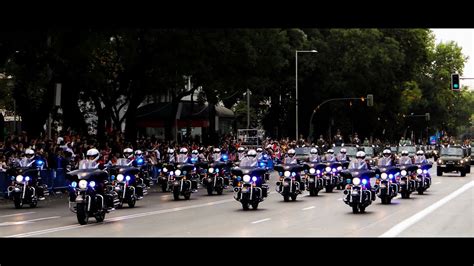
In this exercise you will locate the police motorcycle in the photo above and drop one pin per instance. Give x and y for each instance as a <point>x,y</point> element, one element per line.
<point>181,181</point>
<point>218,175</point>
<point>423,177</point>
<point>127,183</point>
<point>357,194</point>
<point>291,181</point>
<point>387,183</point>
<point>331,176</point>
<point>144,169</point>
<point>90,193</point>
<point>165,178</point>
<point>250,188</point>
<point>24,178</point>
<point>314,180</point>
<point>407,179</point>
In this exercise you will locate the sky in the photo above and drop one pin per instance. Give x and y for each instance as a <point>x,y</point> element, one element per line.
<point>465,39</point>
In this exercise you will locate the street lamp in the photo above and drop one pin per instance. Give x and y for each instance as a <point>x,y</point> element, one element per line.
<point>296,56</point>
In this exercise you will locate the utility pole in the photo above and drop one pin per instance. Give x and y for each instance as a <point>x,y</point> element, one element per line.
<point>248,108</point>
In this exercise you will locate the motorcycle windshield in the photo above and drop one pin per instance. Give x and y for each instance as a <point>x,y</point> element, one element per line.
<point>85,164</point>
<point>123,162</point>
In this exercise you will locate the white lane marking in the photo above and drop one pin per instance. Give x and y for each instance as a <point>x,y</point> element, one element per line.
<point>339,199</point>
<point>165,196</point>
<point>437,183</point>
<point>120,218</point>
<point>397,229</point>
<point>28,221</point>
<point>260,221</point>
<point>308,208</point>
<point>16,214</point>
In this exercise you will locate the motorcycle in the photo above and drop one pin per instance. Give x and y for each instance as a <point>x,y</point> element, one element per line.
<point>356,193</point>
<point>164,179</point>
<point>88,186</point>
<point>250,188</point>
<point>180,183</point>
<point>423,178</point>
<point>387,185</point>
<point>136,182</point>
<point>407,179</point>
<point>216,179</point>
<point>25,183</point>
<point>314,180</point>
<point>291,183</point>
<point>331,176</point>
<point>124,187</point>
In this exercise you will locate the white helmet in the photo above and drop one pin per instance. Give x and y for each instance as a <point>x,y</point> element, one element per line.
<point>404,153</point>
<point>127,153</point>
<point>241,149</point>
<point>29,153</point>
<point>170,151</point>
<point>252,153</point>
<point>420,152</point>
<point>195,152</point>
<point>269,146</point>
<point>291,152</point>
<point>331,151</point>
<point>387,152</point>
<point>343,150</point>
<point>314,151</point>
<point>183,151</point>
<point>92,155</point>
<point>259,150</point>
<point>138,153</point>
<point>360,154</point>
<point>217,150</point>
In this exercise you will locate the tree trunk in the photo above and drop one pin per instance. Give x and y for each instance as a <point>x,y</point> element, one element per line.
<point>213,138</point>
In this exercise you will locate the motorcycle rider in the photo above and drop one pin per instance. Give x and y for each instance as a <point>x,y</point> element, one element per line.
<point>314,156</point>
<point>29,160</point>
<point>342,155</point>
<point>386,159</point>
<point>183,156</point>
<point>420,157</point>
<point>405,159</point>
<point>171,157</point>
<point>241,153</point>
<point>216,156</point>
<point>329,156</point>
<point>359,162</point>
<point>290,158</point>
<point>128,153</point>
<point>250,160</point>
<point>259,154</point>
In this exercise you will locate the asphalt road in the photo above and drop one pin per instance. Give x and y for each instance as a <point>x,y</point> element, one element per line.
<point>445,210</point>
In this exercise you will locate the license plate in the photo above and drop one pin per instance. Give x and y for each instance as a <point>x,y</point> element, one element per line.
<point>402,182</point>
<point>245,189</point>
<point>383,186</point>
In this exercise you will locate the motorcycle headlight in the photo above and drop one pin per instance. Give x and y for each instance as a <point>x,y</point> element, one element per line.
<point>165,170</point>
<point>246,178</point>
<point>390,176</point>
<point>384,176</point>
<point>19,178</point>
<point>73,184</point>
<point>339,168</point>
<point>27,178</point>
<point>404,172</point>
<point>334,170</point>
<point>312,171</point>
<point>127,178</point>
<point>254,179</point>
<point>425,171</point>
<point>177,172</point>
<point>328,169</point>
<point>82,184</point>
<point>440,161</point>
<point>356,181</point>
<point>364,181</point>
<point>92,184</point>
<point>211,170</point>
<point>419,171</point>
<point>287,173</point>
<point>120,177</point>
<point>318,172</point>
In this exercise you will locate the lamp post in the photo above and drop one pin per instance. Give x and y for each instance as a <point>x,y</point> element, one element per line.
<point>296,66</point>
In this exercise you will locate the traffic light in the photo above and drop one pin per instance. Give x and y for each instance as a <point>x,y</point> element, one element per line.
<point>455,82</point>
<point>370,100</point>
<point>427,116</point>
